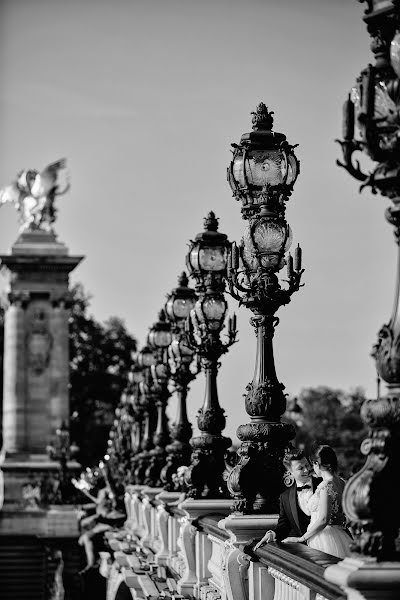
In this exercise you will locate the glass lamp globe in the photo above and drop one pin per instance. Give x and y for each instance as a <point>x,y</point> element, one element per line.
<point>208,253</point>
<point>181,301</point>
<point>211,311</point>
<point>262,162</point>
<point>209,258</point>
<point>146,357</point>
<point>265,243</point>
<point>260,168</point>
<point>160,335</point>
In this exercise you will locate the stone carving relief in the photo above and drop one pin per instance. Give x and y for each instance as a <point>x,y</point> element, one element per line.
<point>39,342</point>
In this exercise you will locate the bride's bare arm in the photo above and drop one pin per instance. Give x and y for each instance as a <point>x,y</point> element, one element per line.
<point>324,515</point>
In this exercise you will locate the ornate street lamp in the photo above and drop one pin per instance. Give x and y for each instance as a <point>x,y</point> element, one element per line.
<point>206,262</point>
<point>178,307</point>
<point>122,441</point>
<point>136,378</point>
<point>146,359</point>
<point>262,173</point>
<point>160,337</point>
<point>372,125</point>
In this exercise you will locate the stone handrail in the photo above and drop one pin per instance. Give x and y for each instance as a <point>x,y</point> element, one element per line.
<point>209,525</point>
<point>299,567</point>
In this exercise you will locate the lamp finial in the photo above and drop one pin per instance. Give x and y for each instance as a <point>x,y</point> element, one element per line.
<point>262,117</point>
<point>211,222</point>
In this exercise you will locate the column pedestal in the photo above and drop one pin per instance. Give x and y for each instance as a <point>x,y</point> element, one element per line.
<point>36,375</point>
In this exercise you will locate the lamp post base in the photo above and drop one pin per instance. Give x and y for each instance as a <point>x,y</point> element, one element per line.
<point>204,477</point>
<point>257,480</point>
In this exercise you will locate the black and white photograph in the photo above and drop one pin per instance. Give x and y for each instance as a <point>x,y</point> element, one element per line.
<point>199,299</point>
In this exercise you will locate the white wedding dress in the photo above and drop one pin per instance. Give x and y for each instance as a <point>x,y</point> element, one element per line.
<point>333,539</point>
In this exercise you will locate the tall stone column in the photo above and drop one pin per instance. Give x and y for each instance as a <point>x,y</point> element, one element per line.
<point>59,374</point>
<point>14,369</point>
<point>36,356</point>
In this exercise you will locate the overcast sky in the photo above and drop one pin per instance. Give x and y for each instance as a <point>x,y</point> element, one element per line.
<point>143,98</point>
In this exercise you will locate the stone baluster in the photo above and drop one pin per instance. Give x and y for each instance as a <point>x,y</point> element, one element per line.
<point>173,535</point>
<point>186,543</point>
<point>190,541</point>
<point>203,547</point>
<point>162,525</point>
<point>261,582</point>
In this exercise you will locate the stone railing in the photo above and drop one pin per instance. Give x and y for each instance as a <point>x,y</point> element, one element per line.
<point>292,572</point>
<point>179,548</point>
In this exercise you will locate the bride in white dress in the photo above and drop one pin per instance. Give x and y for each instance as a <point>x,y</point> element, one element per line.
<point>326,531</point>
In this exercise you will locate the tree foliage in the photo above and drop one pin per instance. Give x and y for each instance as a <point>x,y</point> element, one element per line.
<point>332,416</point>
<point>100,358</point>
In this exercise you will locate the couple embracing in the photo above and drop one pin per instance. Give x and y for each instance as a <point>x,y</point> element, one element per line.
<point>311,508</point>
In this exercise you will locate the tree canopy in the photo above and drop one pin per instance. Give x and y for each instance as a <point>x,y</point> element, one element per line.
<point>100,358</point>
<point>332,416</point>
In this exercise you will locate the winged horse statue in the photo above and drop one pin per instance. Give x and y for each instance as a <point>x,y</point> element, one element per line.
<point>33,195</point>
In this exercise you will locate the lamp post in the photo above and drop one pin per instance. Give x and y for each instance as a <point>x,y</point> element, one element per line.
<point>262,174</point>
<point>121,432</point>
<point>136,379</point>
<point>160,337</point>
<point>180,303</point>
<point>206,262</point>
<point>139,463</point>
<point>371,124</point>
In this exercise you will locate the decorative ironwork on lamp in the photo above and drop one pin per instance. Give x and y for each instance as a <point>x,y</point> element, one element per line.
<point>206,262</point>
<point>371,124</point>
<point>262,174</point>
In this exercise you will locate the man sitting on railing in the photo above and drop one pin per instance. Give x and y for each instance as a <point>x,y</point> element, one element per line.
<point>294,515</point>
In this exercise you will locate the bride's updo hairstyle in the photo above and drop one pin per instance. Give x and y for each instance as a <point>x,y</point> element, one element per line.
<point>326,457</point>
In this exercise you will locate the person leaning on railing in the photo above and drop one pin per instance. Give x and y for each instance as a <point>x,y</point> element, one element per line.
<point>294,516</point>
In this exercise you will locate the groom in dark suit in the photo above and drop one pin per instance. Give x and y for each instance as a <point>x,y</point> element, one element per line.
<point>293,518</point>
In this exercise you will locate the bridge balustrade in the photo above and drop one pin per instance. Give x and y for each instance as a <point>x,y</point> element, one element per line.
<point>172,547</point>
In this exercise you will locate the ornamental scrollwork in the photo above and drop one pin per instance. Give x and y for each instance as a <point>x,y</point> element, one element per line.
<point>265,399</point>
<point>387,354</point>
<point>211,420</point>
